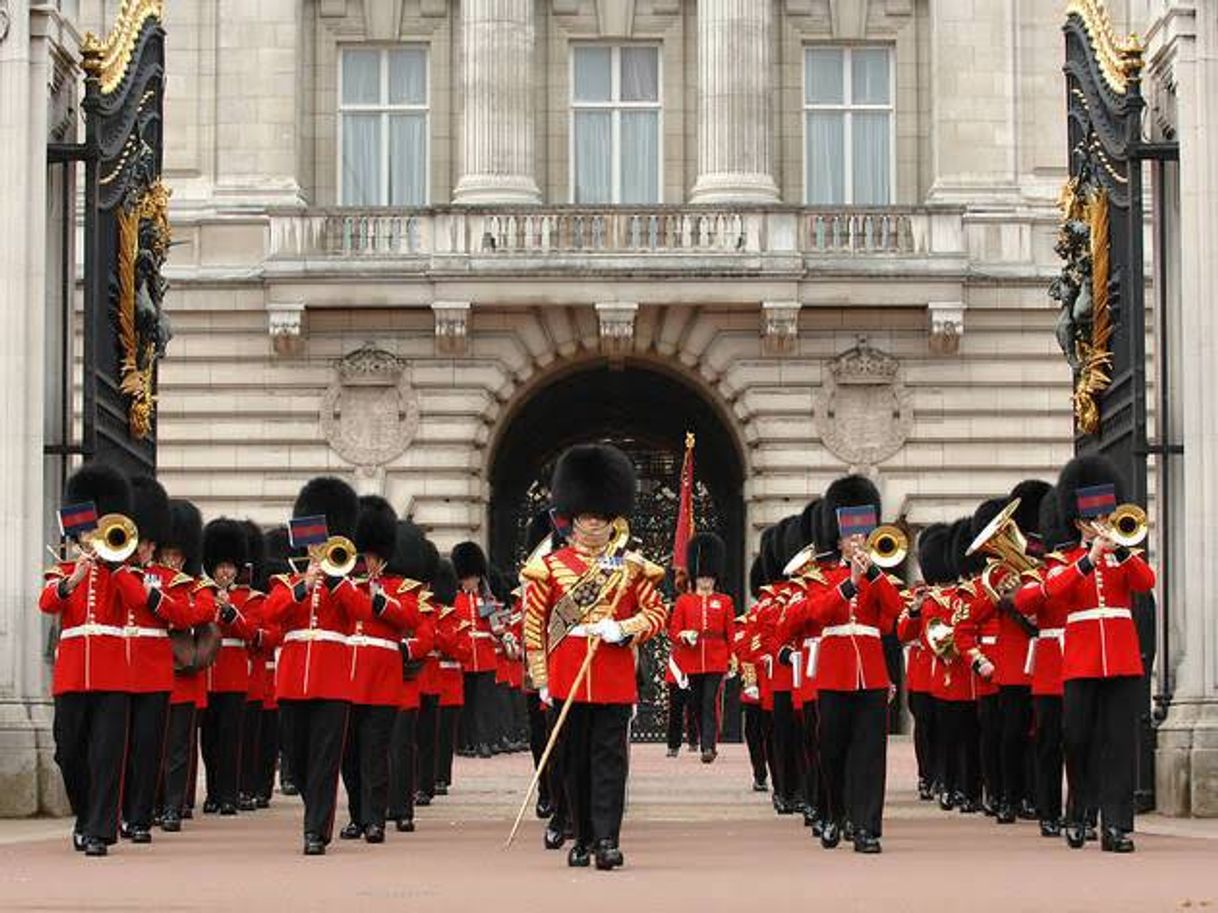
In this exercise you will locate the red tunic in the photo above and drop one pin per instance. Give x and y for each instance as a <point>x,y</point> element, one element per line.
<point>1044,659</point>
<point>712,618</point>
<point>231,670</point>
<point>92,653</point>
<point>1101,640</point>
<point>376,657</point>
<point>775,620</point>
<point>452,648</point>
<point>919,661</point>
<point>853,620</point>
<point>315,660</point>
<point>149,651</point>
<point>478,633</point>
<point>419,636</point>
<point>955,680</point>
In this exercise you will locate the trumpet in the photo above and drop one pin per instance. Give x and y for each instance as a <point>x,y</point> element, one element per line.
<point>1127,526</point>
<point>115,539</point>
<point>887,546</point>
<point>336,556</point>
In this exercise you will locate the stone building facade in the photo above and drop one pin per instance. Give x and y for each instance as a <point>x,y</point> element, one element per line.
<point>823,227</point>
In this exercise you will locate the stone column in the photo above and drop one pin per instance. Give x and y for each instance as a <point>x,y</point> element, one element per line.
<point>1187,759</point>
<point>497,87</point>
<point>735,51</point>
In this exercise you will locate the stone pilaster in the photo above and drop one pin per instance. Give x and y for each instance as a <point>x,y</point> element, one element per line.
<point>497,87</point>
<point>735,51</point>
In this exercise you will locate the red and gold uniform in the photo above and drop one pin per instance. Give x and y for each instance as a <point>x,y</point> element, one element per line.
<point>416,643</point>
<point>750,696</point>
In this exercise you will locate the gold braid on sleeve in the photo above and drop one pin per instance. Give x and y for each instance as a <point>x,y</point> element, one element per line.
<point>649,620</point>
<point>536,602</point>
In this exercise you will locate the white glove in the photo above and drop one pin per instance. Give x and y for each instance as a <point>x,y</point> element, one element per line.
<point>543,696</point>
<point>609,631</point>
<point>690,637</point>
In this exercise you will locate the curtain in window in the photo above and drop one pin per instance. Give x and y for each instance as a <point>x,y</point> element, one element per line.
<point>407,159</point>
<point>361,77</point>
<point>640,74</point>
<point>640,157</point>
<point>593,76</point>
<point>826,175</point>
<point>823,83</point>
<point>871,159</point>
<point>408,77</point>
<point>593,148</point>
<point>361,159</point>
<point>869,76</point>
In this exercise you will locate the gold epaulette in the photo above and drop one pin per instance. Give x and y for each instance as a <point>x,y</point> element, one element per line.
<point>813,573</point>
<point>536,570</point>
<point>205,583</point>
<point>181,579</point>
<point>895,580</point>
<point>58,570</point>
<point>285,579</point>
<point>464,624</point>
<point>409,586</point>
<point>652,571</point>
<point>967,586</point>
<point>446,610</point>
<point>424,602</point>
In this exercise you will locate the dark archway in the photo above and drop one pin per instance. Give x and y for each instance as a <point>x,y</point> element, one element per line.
<point>645,411</point>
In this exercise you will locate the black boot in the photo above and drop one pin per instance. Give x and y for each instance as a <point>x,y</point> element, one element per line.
<point>708,756</point>
<point>554,837</point>
<point>262,801</point>
<point>95,846</point>
<point>141,835</point>
<point>288,788</point>
<point>374,833</point>
<point>78,841</point>
<point>1076,836</point>
<point>246,803</point>
<point>759,786</point>
<point>1006,815</point>
<point>543,809</point>
<point>865,842</point>
<point>210,806</point>
<point>484,750</point>
<point>227,809</point>
<point>831,835</point>
<point>673,752</point>
<point>579,856</point>
<point>314,845</point>
<point>608,856</point>
<point>1115,840</point>
<point>1050,829</point>
<point>405,825</point>
<point>925,793</point>
<point>351,832</point>
<point>421,798</point>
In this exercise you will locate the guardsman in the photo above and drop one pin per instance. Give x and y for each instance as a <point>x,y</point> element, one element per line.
<point>750,691</point>
<point>1101,658</point>
<point>705,623</point>
<point>856,605</point>
<point>413,563</point>
<point>269,637</point>
<point>475,605</point>
<point>589,603</point>
<point>454,646</point>
<point>317,610</point>
<point>193,648</point>
<point>226,589</point>
<point>251,714</point>
<point>677,685</point>
<point>150,655</point>
<point>92,598</point>
<point>1044,662</point>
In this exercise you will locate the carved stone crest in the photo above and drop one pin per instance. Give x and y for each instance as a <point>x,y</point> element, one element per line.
<point>370,413</point>
<point>863,412</point>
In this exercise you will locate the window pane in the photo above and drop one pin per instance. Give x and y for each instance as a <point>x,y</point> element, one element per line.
<point>823,76</point>
<point>825,176</point>
<point>593,81</point>
<point>361,77</point>
<point>361,160</point>
<point>640,74</point>
<point>408,76</point>
<point>407,159</point>
<point>640,157</point>
<point>872,159</point>
<point>593,147</point>
<point>869,76</point>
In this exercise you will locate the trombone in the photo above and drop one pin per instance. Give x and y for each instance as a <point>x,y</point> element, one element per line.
<point>1127,526</point>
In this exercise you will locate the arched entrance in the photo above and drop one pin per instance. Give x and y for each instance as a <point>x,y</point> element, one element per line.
<point>646,411</point>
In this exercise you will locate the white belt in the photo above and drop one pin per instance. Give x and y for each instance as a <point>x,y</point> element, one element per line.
<point>1046,633</point>
<point>813,646</point>
<point>481,634</point>
<point>307,634</point>
<point>91,629</point>
<point>232,642</point>
<point>270,664</point>
<point>989,640</point>
<point>449,664</point>
<point>366,640</point>
<point>1029,663</point>
<point>853,629</point>
<point>1097,614</point>
<point>580,631</point>
<point>135,631</point>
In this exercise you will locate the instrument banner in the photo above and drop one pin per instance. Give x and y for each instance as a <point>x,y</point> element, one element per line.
<point>306,531</point>
<point>77,519</point>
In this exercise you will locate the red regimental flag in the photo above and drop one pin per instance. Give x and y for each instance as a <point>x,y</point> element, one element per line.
<point>685,508</point>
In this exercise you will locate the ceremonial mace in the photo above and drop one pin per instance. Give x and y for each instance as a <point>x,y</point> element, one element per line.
<point>631,568</point>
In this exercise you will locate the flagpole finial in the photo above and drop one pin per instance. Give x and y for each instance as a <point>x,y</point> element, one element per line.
<point>689,440</point>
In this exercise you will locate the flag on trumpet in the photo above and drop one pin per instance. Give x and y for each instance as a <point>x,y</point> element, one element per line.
<point>77,519</point>
<point>856,521</point>
<point>1096,501</point>
<point>306,531</point>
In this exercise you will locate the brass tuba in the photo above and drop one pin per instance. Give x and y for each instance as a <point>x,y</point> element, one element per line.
<point>115,539</point>
<point>1002,540</point>
<point>887,546</point>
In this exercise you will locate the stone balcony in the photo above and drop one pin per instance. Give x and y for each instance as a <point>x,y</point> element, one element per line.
<point>784,241</point>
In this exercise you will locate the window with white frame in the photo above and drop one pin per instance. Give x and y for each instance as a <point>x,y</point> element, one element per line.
<point>382,126</point>
<point>848,126</point>
<point>615,124</point>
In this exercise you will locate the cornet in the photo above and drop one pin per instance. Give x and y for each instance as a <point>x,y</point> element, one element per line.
<point>115,539</point>
<point>887,546</point>
<point>1127,526</point>
<point>336,556</point>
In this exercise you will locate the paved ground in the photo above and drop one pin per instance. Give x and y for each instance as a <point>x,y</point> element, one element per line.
<point>695,839</point>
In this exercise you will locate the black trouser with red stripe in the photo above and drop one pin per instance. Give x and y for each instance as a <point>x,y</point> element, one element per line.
<point>755,738</point>
<point>427,737</point>
<point>366,762</point>
<point>704,688</point>
<point>786,743</point>
<point>989,721</point>
<point>1015,709</point>
<point>402,765</point>
<point>596,756</point>
<point>220,733</point>
<point>538,735</point>
<point>313,732</point>
<point>1048,740</point>
<point>1100,736</point>
<point>854,739</point>
<point>448,720</point>
<point>90,731</point>
<point>179,746</point>
<point>959,764</point>
<point>814,786</point>
<point>922,708</point>
<point>268,753</point>
<point>145,750</point>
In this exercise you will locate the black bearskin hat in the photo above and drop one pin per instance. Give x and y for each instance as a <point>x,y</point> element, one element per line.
<point>332,498</point>
<point>934,547</point>
<point>1027,514</point>
<point>150,509</point>
<point>468,560</point>
<point>594,479</point>
<point>1083,472</point>
<point>705,556</point>
<point>809,520</point>
<point>431,561</point>
<point>376,529</point>
<point>540,526</point>
<point>501,585</point>
<point>278,548</point>
<point>104,485</point>
<point>255,553</point>
<point>411,557</point>
<point>1053,532</point>
<point>959,537</point>
<point>185,534</point>
<point>848,491</point>
<point>224,540</point>
<point>444,586</point>
<point>756,577</point>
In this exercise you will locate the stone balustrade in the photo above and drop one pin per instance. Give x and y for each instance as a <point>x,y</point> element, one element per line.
<point>530,232</point>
